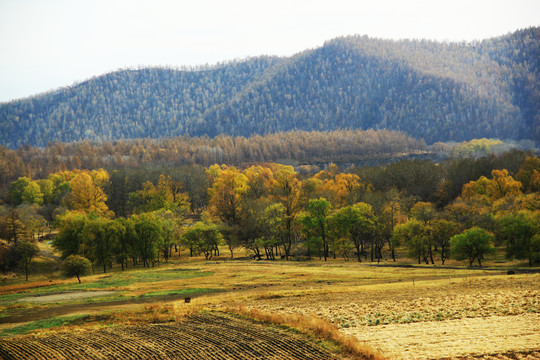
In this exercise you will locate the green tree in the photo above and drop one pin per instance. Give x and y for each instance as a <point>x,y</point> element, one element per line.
<point>16,190</point>
<point>278,229</point>
<point>315,222</point>
<point>70,229</point>
<point>24,252</point>
<point>441,232</point>
<point>472,244</point>
<point>166,195</point>
<point>46,187</point>
<point>357,223</point>
<point>98,238</point>
<point>32,194</point>
<point>148,237</point>
<point>519,231</point>
<point>169,229</point>
<point>123,247</point>
<point>414,234</point>
<point>76,265</point>
<point>203,237</point>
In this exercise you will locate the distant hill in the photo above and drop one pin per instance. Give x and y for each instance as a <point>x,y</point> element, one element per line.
<point>430,90</point>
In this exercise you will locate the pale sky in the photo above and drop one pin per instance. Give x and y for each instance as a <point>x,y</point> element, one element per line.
<point>47,44</point>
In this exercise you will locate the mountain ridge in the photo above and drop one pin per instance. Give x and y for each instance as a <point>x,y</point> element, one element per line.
<point>429,90</point>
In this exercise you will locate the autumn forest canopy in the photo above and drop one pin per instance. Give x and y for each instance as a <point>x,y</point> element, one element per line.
<point>432,91</point>
<point>462,208</point>
<point>362,149</point>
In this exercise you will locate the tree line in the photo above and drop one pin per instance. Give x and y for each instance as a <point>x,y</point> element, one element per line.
<point>295,147</point>
<point>432,91</point>
<point>273,211</point>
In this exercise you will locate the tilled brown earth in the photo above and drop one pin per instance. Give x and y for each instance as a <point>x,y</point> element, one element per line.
<point>202,336</point>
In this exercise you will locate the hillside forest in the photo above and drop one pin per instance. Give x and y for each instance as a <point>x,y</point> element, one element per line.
<point>432,91</point>
<point>461,208</point>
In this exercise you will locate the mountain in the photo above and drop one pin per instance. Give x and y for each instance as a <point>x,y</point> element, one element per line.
<point>430,90</point>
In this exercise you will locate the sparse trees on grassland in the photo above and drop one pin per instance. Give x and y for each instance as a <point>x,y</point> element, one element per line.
<point>414,234</point>
<point>203,238</point>
<point>356,223</point>
<point>473,244</point>
<point>24,252</point>
<point>76,265</point>
<point>315,223</point>
<point>520,232</point>
<point>442,231</point>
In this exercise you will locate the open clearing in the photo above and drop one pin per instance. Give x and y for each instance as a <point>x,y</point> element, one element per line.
<point>66,296</point>
<point>406,312</point>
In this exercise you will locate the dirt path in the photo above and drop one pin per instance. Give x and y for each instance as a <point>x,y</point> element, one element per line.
<point>71,309</point>
<point>43,299</point>
<point>452,338</point>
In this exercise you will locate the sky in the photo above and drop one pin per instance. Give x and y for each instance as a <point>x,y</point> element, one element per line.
<point>47,44</point>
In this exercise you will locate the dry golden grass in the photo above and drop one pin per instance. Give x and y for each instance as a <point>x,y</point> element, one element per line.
<point>481,315</point>
<point>322,329</point>
<point>429,301</point>
<point>156,313</point>
<point>21,287</point>
<point>468,336</point>
<point>329,300</point>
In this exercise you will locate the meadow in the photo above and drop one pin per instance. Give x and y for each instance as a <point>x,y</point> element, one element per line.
<point>279,309</point>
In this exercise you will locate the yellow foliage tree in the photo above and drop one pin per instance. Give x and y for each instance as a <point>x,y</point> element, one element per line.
<point>86,196</point>
<point>226,195</point>
<point>489,190</point>
<point>502,185</point>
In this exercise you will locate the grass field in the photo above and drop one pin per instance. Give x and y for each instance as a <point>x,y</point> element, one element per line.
<point>344,309</point>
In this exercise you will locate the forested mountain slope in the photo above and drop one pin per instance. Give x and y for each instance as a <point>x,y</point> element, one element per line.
<point>430,90</point>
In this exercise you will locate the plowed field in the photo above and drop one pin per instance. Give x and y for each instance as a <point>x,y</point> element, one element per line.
<point>488,318</point>
<point>203,336</point>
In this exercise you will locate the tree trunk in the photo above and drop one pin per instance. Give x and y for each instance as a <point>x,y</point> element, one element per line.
<point>358,253</point>
<point>325,245</point>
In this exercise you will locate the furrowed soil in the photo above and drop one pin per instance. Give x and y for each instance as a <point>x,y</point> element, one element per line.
<point>202,336</point>
<point>405,312</point>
